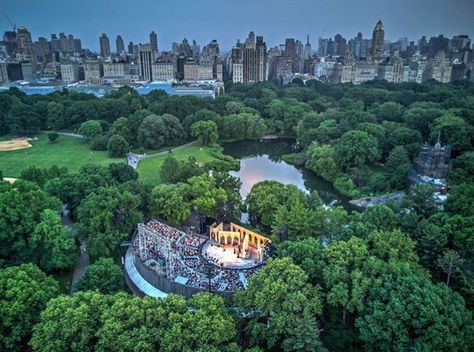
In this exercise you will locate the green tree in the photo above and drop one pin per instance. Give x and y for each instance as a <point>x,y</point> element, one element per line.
<point>121,172</point>
<point>170,170</point>
<point>106,218</point>
<point>307,253</point>
<point>174,131</point>
<point>55,118</point>
<point>286,321</point>
<point>266,196</point>
<point>461,200</point>
<point>168,201</point>
<point>204,193</point>
<point>70,323</point>
<point>91,129</point>
<point>450,263</point>
<point>117,146</point>
<point>103,275</point>
<point>398,165</point>
<point>409,312</point>
<point>21,207</point>
<point>356,148</point>
<point>205,132</point>
<point>24,292</point>
<point>321,160</point>
<point>380,217</point>
<point>343,277</point>
<point>152,132</point>
<point>53,244</point>
<point>121,127</point>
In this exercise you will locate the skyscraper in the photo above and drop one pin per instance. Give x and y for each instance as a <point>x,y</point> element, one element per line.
<point>307,49</point>
<point>119,44</point>
<point>25,44</point>
<point>104,45</point>
<point>378,41</point>
<point>146,57</point>
<point>154,41</point>
<point>261,59</point>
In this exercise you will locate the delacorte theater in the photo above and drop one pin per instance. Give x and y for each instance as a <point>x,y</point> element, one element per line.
<point>165,259</point>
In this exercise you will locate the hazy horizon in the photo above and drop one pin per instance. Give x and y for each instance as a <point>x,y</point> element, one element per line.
<point>228,21</point>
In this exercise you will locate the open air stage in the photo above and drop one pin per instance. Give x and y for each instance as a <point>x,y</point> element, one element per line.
<point>225,256</point>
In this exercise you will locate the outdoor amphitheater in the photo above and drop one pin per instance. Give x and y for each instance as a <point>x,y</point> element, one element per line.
<point>185,262</point>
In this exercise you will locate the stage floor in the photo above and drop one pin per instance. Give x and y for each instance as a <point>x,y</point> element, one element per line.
<point>225,256</point>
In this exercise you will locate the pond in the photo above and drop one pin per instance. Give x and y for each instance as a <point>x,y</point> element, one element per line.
<point>261,160</point>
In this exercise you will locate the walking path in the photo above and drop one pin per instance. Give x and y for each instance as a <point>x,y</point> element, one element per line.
<point>81,266</point>
<point>133,158</point>
<point>83,261</point>
<point>69,134</point>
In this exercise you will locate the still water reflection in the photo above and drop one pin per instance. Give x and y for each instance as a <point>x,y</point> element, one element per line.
<point>261,160</point>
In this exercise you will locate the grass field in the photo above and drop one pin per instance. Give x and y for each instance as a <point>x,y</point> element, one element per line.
<point>149,169</point>
<point>70,152</point>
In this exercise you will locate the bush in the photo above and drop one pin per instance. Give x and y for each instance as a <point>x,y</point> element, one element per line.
<point>346,187</point>
<point>53,136</point>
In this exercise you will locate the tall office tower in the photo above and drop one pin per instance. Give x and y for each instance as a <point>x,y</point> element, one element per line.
<point>77,45</point>
<point>261,59</point>
<point>70,42</point>
<point>130,48</point>
<point>62,42</point>
<point>290,47</point>
<point>175,47</point>
<point>196,49</point>
<point>146,57</point>
<point>378,41</point>
<point>357,48</point>
<point>249,64</point>
<point>307,49</point>
<point>154,41</point>
<point>55,44</point>
<point>323,47</point>
<point>42,49</point>
<point>25,44</point>
<point>119,44</point>
<point>250,41</point>
<point>104,46</point>
<point>299,48</point>
<point>9,40</point>
<point>340,45</point>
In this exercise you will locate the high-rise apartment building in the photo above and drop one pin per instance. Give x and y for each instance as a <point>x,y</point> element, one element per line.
<point>119,45</point>
<point>104,46</point>
<point>146,57</point>
<point>25,44</point>
<point>378,41</point>
<point>154,41</point>
<point>261,59</point>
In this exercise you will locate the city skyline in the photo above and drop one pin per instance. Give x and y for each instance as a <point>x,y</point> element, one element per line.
<point>399,21</point>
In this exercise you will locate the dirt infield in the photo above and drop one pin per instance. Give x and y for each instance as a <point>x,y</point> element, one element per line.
<point>15,144</point>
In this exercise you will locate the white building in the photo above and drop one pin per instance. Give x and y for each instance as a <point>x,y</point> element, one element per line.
<point>3,73</point>
<point>116,69</point>
<point>163,71</point>
<point>237,73</point>
<point>69,73</point>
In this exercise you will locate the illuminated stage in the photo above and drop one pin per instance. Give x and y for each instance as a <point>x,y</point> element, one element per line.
<point>226,256</point>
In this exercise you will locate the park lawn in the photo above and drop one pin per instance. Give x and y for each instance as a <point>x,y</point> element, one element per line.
<point>149,169</point>
<point>71,152</point>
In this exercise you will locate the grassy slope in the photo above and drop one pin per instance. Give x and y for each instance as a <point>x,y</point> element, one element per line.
<point>149,169</point>
<point>67,151</point>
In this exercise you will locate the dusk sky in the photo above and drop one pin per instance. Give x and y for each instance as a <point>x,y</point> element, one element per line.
<point>228,20</point>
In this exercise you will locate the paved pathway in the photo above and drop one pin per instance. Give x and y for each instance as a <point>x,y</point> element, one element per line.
<point>83,261</point>
<point>70,134</point>
<point>133,158</point>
